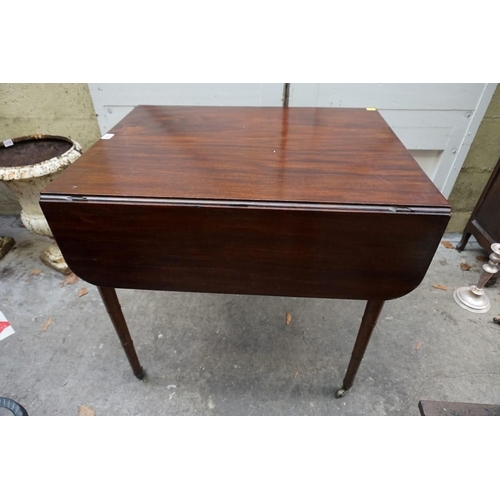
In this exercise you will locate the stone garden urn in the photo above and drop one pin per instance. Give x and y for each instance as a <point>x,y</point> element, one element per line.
<point>27,165</point>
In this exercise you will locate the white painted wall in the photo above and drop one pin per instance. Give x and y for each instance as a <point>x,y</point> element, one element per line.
<point>436,122</point>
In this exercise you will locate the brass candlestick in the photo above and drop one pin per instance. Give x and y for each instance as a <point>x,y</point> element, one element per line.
<point>473,298</point>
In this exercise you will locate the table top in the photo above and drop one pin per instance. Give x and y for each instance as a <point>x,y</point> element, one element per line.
<point>300,202</point>
<point>280,155</point>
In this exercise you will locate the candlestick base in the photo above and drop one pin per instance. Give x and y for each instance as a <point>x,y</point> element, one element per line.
<point>472,299</point>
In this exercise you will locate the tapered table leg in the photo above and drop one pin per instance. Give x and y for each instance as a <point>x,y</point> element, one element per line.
<point>114,309</point>
<point>370,317</point>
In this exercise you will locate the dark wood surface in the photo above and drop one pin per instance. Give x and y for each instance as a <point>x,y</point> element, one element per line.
<point>311,155</point>
<point>296,202</point>
<point>451,409</point>
<point>484,222</point>
<point>174,202</point>
<point>246,250</point>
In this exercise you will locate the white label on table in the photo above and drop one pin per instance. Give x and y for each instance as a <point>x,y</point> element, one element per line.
<point>5,327</point>
<point>8,143</point>
<point>107,136</point>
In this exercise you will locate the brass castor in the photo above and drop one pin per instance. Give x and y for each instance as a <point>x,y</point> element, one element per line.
<point>341,393</point>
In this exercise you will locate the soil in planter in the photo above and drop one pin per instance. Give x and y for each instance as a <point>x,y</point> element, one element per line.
<point>32,151</point>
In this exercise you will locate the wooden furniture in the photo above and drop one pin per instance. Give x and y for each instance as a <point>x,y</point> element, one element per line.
<point>484,222</point>
<point>449,409</point>
<point>302,202</point>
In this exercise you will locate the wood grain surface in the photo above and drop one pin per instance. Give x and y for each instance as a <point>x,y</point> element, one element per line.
<point>246,250</point>
<point>312,155</point>
<point>307,202</point>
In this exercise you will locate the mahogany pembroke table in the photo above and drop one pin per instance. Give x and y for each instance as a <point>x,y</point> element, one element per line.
<point>302,202</point>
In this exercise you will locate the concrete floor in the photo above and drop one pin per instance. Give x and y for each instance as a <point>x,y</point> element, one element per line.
<point>234,355</point>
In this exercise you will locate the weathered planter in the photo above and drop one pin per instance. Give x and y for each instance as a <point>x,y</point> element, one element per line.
<point>26,167</point>
<point>6,244</point>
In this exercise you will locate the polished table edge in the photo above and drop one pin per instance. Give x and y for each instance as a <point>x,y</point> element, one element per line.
<point>126,200</point>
